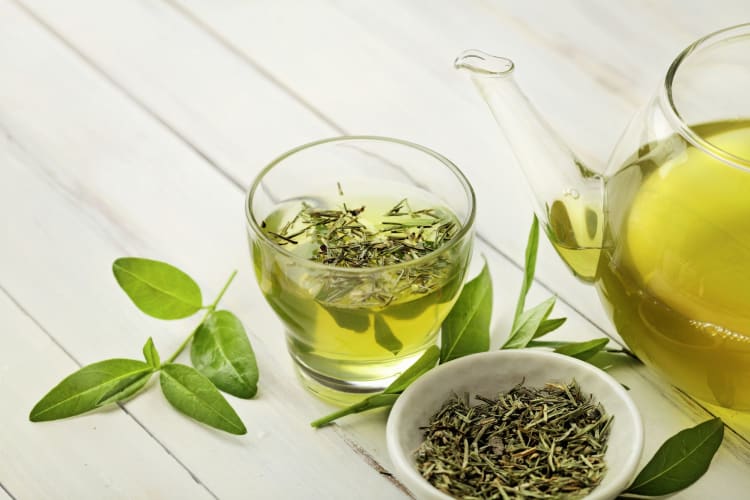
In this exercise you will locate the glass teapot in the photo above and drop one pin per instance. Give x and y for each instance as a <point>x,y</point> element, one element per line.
<point>664,232</point>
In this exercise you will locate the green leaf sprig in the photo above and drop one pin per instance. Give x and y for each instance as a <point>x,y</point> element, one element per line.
<point>466,329</point>
<point>221,355</point>
<point>680,461</point>
<point>532,323</point>
<point>529,325</point>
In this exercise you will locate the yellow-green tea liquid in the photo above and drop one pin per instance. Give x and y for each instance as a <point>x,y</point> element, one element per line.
<point>673,267</point>
<point>345,343</point>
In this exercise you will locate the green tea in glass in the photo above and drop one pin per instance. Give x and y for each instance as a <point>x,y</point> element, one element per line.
<point>360,245</point>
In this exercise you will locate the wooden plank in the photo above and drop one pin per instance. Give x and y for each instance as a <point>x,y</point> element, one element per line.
<point>195,81</point>
<point>140,87</point>
<point>4,494</point>
<point>45,460</point>
<point>90,177</point>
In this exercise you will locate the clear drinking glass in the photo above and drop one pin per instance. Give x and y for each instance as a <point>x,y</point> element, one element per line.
<point>351,330</point>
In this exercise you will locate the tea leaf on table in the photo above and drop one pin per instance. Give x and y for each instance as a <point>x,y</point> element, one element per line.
<point>121,394</point>
<point>90,387</point>
<point>680,461</point>
<point>157,288</point>
<point>549,325</point>
<point>150,354</point>
<point>385,337</point>
<point>222,352</point>
<point>532,323</point>
<point>425,363</point>
<point>532,244</point>
<point>528,324</point>
<point>389,396</point>
<point>466,329</point>
<point>583,350</point>
<point>194,395</point>
<point>377,401</point>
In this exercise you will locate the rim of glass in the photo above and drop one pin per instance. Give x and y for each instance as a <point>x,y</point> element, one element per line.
<point>673,114</point>
<point>465,227</point>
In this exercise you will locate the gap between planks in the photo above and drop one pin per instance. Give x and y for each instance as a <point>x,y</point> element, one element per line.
<point>370,460</point>
<point>49,335</point>
<point>358,450</point>
<point>245,58</point>
<point>5,490</point>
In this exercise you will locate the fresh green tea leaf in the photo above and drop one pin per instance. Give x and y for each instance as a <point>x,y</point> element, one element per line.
<point>528,324</point>
<point>680,461</point>
<point>549,325</point>
<point>466,329</point>
<point>552,344</point>
<point>222,352</point>
<point>583,350</point>
<point>385,337</point>
<point>532,245</point>
<point>157,288</point>
<point>150,354</point>
<point>194,395</point>
<point>121,394</point>
<point>425,363</point>
<point>376,401</point>
<point>90,387</point>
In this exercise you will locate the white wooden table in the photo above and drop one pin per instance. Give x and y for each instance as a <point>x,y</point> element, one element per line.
<point>133,128</point>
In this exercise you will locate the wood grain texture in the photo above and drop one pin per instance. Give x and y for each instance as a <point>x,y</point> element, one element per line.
<point>39,460</point>
<point>77,219</point>
<point>4,494</point>
<point>141,144</point>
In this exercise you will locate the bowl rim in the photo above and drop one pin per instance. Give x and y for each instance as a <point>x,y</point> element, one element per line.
<point>402,460</point>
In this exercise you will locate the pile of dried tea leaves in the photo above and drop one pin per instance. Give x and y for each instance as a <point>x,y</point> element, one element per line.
<point>528,443</point>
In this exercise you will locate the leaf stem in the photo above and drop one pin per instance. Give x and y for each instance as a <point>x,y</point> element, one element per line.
<point>625,351</point>
<point>355,408</point>
<point>223,290</point>
<point>211,308</point>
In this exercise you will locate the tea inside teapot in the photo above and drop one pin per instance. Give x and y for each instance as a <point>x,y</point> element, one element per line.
<point>675,266</point>
<point>664,232</point>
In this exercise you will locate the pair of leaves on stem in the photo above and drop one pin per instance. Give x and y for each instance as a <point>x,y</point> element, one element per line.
<point>115,380</point>
<point>221,354</point>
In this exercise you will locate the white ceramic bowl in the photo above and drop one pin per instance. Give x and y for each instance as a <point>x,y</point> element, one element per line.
<point>498,371</point>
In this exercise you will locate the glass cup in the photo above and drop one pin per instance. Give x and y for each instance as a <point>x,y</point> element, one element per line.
<point>352,330</point>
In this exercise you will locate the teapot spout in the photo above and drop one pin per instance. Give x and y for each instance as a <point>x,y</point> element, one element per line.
<point>568,197</point>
